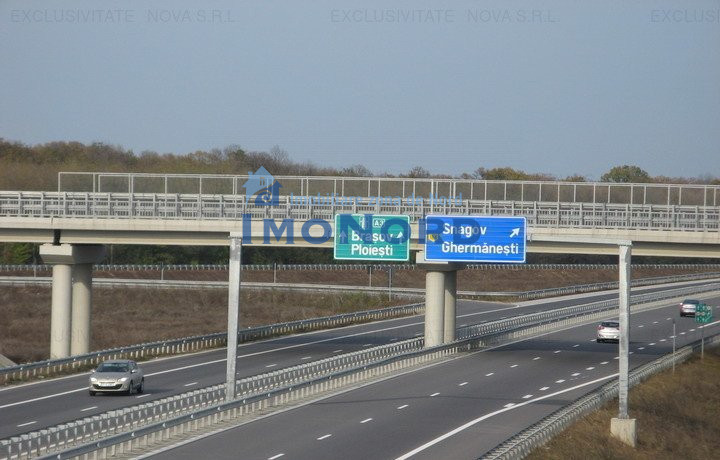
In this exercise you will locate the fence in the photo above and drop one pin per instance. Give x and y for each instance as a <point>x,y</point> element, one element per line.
<point>234,207</point>
<point>141,423</point>
<point>326,187</point>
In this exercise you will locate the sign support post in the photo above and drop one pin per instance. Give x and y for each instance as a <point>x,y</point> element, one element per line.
<point>233,315</point>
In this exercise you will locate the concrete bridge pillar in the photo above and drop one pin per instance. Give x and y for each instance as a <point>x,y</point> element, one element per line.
<point>434,307</point>
<point>71,296</point>
<point>440,300</point>
<point>450,306</point>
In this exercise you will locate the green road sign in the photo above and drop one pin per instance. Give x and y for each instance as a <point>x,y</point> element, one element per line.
<point>703,314</point>
<point>372,237</point>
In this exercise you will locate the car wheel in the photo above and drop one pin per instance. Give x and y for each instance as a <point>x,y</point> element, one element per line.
<point>141,387</point>
<point>92,393</point>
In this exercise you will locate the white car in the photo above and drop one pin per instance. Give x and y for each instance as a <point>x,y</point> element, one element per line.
<point>688,307</point>
<point>608,331</point>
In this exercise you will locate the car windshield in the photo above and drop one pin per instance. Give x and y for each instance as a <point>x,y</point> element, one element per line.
<point>113,367</point>
<point>691,301</point>
<point>610,324</point>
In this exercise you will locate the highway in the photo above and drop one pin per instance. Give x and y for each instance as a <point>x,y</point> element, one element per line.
<point>458,409</point>
<point>41,404</point>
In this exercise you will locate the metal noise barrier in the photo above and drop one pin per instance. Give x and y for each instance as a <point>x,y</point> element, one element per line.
<point>125,424</point>
<point>523,443</point>
<point>190,344</point>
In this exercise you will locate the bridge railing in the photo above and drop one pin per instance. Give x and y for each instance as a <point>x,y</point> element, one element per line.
<point>291,383</point>
<point>403,187</point>
<point>233,207</point>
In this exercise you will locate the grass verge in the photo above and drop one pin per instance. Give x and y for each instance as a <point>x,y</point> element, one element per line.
<point>677,417</point>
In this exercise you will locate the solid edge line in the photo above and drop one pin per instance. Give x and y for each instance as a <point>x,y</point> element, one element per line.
<point>497,412</point>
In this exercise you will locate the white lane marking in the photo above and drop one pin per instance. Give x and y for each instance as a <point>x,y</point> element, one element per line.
<point>144,395</point>
<point>589,368</point>
<point>641,325</point>
<point>617,357</point>
<point>592,340</point>
<point>402,407</point>
<point>692,330</point>
<point>630,352</point>
<point>418,334</point>
<point>275,456</point>
<point>536,358</point>
<point>26,424</point>
<point>655,322</point>
<point>576,345</point>
<point>559,381</point>
<point>651,343</point>
<point>663,340</point>
<point>190,384</point>
<point>605,362</point>
<point>508,407</point>
<point>366,420</point>
<point>641,348</point>
<point>668,319</point>
<point>544,388</point>
<point>434,394</point>
<point>338,351</point>
<point>88,408</point>
<point>514,365</point>
<point>393,339</point>
<point>43,397</point>
<point>305,357</point>
<point>462,384</point>
<point>491,373</point>
<point>271,365</point>
<point>682,333</point>
<point>575,374</point>
<point>527,396</point>
<point>463,325</point>
<point>557,351</point>
<point>325,436</point>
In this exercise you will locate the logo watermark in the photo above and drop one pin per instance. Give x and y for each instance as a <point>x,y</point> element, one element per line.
<point>441,16</point>
<point>686,16</point>
<point>263,186</point>
<point>123,16</point>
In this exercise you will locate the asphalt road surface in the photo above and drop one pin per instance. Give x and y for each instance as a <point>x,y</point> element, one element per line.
<point>455,410</point>
<point>33,406</point>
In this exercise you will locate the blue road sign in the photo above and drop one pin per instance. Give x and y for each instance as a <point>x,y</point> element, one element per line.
<point>475,239</point>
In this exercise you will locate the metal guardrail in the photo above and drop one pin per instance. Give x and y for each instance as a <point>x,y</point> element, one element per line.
<point>523,443</point>
<point>190,344</point>
<point>402,187</point>
<point>257,390</point>
<point>395,290</point>
<point>233,207</point>
<point>345,267</point>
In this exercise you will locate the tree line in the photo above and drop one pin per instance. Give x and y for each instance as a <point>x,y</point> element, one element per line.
<point>35,167</point>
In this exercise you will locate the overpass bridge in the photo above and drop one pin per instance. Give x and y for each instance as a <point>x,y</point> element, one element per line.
<point>90,210</point>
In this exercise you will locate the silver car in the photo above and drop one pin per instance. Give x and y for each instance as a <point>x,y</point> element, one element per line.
<point>608,331</point>
<point>117,376</point>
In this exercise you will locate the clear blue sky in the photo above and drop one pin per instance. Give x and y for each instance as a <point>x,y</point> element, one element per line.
<point>560,87</point>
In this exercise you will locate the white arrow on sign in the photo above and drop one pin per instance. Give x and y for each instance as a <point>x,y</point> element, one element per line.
<point>515,232</point>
